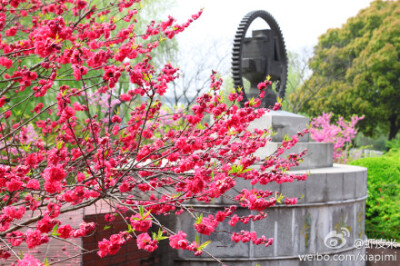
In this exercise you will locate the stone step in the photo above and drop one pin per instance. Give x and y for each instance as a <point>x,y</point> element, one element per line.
<point>283,123</point>
<point>319,154</point>
<point>323,186</point>
<point>327,185</point>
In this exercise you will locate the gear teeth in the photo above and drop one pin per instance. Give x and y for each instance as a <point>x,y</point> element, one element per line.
<point>237,49</point>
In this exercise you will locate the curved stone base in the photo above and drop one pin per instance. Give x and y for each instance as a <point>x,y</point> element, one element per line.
<point>333,203</point>
<point>331,206</point>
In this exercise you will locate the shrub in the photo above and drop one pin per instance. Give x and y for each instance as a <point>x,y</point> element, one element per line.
<point>383,203</point>
<point>394,144</point>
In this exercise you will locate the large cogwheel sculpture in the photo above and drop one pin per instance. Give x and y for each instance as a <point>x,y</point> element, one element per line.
<point>256,61</point>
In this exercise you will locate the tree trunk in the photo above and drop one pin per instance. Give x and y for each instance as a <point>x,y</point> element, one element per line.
<point>394,126</point>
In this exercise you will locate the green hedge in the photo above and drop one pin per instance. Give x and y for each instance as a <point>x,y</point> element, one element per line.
<point>383,203</point>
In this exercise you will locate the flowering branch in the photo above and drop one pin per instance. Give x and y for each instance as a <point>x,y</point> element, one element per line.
<point>69,140</point>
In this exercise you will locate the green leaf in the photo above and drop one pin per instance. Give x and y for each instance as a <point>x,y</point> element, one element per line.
<point>247,170</point>
<point>59,145</point>
<point>200,126</point>
<point>159,236</point>
<point>146,214</point>
<point>233,170</point>
<point>232,132</point>
<point>205,244</point>
<point>199,218</point>
<point>130,230</point>
<point>54,232</point>
<point>26,148</point>
<point>147,77</point>
<point>106,227</point>
<point>160,233</point>
<point>286,138</point>
<point>238,169</point>
<point>280,198</point>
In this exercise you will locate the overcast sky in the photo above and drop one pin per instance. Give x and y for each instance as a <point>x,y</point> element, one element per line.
<point>207,44</point>
<point>301,21</point>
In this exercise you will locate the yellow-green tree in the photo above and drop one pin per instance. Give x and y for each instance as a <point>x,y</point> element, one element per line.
<point>356,70</point>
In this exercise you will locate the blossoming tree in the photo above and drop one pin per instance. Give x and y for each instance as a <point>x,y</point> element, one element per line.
<point>62,60</point>
<point>340,135</point>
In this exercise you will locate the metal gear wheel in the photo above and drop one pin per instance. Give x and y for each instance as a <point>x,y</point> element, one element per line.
<point>280,82</point>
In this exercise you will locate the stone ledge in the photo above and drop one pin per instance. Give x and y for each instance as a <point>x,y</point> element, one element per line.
<point>283,123</point>
<point>332,184</point>
<point>319,154</point>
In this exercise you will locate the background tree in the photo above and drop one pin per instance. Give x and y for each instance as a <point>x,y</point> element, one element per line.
<point>356,70</point>
<point>298,72</point>
<point>194,74</point>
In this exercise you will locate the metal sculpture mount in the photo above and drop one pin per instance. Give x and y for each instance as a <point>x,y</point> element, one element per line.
<point>262,55</point>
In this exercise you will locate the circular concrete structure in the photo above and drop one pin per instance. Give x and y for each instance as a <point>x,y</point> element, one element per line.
<point>325,227</point>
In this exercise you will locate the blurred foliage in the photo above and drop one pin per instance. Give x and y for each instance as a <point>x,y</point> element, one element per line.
<point>383,203</point>
<point>149,10</point>
<point>393,144</point>
<point>378,142</point>
<point>298,72</point>
<point>356,70</point>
